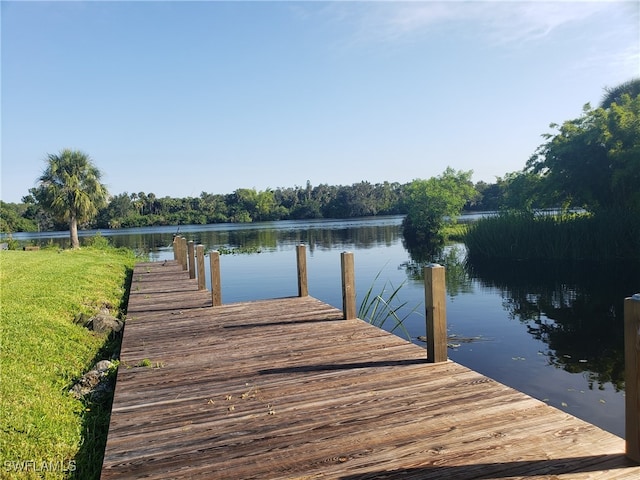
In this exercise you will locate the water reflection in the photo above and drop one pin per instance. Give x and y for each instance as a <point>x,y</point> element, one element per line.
<point>265,236</point>
<point>453,258</point>
<point>576,309</point>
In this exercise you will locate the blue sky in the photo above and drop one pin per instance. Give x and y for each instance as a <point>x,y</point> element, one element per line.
<point>177,98</point>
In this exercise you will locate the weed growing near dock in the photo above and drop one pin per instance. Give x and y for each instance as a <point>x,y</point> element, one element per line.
<point>378,309</point>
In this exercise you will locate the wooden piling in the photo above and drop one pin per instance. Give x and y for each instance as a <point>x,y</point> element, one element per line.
<point>216,291</point>
<point>202,279</point>
<point>192,259</point>
<point>348,286</point>
<point>435,302</point>
<point>183,253</point>
<point>632,376</point>
<point>176,249</point>
<point>301,256</point>
<point>180,251</point>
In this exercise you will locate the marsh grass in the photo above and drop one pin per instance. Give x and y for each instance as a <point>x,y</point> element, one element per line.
<point>455,232</point>
<point>527,236</point>
<point>385,306</point>
<point>43,353</point>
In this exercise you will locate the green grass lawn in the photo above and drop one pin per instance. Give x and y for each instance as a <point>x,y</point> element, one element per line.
<point>46,432</point>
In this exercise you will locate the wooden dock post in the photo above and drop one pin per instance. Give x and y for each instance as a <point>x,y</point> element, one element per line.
<point>183,253</point>
<point>192,259</point>
<point>301,256</point>
<point>202,279</point>
<point>348,286</point>
<point>177,243</point>
<point>632,376</point>
<point>435,303</point>
<point>216,291</point>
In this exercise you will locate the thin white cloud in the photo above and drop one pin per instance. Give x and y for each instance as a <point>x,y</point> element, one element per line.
<point>508,22</point>
<point>524,22</point>
<point>612,28</point>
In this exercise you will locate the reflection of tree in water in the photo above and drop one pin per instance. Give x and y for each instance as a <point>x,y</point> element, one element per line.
<point>262,238</point>
<point>576,309</point>
<point>451,256</point>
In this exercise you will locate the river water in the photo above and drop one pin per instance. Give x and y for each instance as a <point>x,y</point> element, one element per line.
<point>553,331</point>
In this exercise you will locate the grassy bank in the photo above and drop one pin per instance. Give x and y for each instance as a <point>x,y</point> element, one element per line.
<point>44,428</point>
<point>526,236</point>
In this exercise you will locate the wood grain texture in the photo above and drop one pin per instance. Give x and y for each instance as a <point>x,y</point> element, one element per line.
<point>286,388</point>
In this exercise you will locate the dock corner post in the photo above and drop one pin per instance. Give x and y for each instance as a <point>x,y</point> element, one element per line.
<point>348,286</point>
<point>216,290</point>
<point>175,247</point>
<point>632,376</point>
<point>435,303</point>
<point>183,253</point>
<point>301,256</point>
<point>202,279</point>
<point>192,259</point>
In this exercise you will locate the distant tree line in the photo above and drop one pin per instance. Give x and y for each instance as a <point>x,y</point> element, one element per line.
<point>141,209</point>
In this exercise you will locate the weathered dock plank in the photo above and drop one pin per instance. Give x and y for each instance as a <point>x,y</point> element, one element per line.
<point>285,388</point>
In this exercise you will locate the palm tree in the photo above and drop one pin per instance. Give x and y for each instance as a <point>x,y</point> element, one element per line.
<point>70,189</point>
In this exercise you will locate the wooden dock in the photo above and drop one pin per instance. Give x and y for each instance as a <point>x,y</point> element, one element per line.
<point>286,388</point>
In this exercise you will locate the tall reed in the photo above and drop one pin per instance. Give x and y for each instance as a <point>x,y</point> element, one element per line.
<point>528,236</point>
<point>378,309</point>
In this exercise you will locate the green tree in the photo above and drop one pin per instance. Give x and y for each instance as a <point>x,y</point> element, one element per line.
<point>490,196</point>
<point>265,208</point>
<point>521,191</point>
<point>119,208</point>
<point>594,161</point>
<point>12,218</point>
<point>434,202</point>
<point>70,189</point>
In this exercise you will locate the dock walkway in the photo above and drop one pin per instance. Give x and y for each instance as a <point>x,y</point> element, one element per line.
<point>286,388</point>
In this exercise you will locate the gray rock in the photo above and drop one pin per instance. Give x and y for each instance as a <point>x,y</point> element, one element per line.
<point>103,366</point>
<point>105,323</point>
<point>87,383</point>
<point>96,382</point>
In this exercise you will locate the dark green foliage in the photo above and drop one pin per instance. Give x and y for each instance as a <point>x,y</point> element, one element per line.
<point>614,95</point>
<point>13,219</point>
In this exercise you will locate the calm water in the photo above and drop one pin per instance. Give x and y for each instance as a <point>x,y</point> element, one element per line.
<point>552,331</point>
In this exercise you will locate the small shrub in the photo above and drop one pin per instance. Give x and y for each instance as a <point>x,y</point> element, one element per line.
<point>97,241</point>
